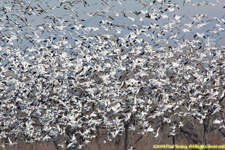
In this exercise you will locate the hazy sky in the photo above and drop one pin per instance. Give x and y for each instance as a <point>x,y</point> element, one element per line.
<point>80,12</point>
<point>187,9</point>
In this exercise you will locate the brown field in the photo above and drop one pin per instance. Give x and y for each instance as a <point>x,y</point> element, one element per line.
<point>144,142</point>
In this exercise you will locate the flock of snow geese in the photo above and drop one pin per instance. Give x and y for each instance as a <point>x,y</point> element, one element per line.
<point>68,73</point>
